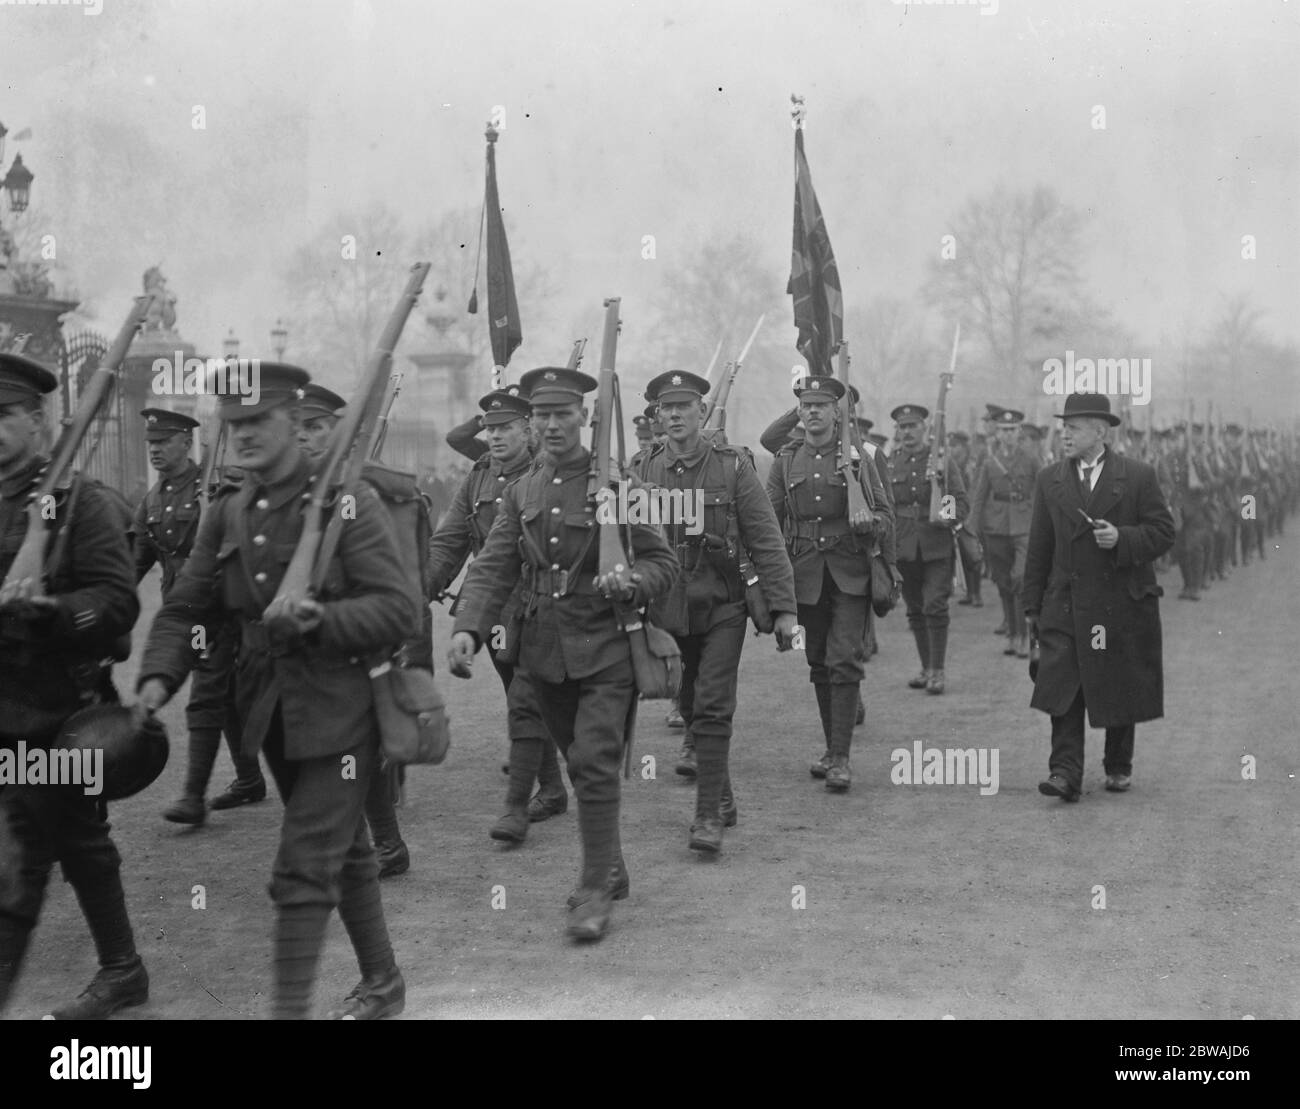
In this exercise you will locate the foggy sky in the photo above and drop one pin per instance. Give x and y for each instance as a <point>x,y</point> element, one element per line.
<point>667,119</point>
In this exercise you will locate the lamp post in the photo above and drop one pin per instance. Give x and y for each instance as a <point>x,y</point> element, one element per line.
<point>279,339</point>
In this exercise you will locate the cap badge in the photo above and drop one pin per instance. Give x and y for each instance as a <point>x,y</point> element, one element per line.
<point>814,385</point>
<point>676,379</point>
<point>151,419</point>
<point>496,404</point>
<point>548,376</point>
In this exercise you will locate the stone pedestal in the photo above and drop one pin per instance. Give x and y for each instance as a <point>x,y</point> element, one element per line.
<point>38,319</point>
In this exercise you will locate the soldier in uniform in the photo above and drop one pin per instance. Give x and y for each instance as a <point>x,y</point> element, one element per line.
<point>705,610</point>
<point>1000,513</point>
<point>533,758</point>
<point>925,550</point>
<point>959,451</point>
<point>54,641</point>
<point>319,412</point>
<point>1192,489</point>
<point>303,689</point>
<point>164,528</point>
<point>645,437</point>
<point>831,555</point>
<point>567,633</point>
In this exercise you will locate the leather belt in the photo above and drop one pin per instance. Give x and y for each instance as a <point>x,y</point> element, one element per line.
<point>558,583</point>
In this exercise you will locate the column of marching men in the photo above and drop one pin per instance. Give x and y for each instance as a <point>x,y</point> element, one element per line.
<point>523,521</point>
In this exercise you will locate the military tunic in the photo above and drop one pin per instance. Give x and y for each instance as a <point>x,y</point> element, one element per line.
<point>306,701</point>
<point>50,667</point>
<point>705,610</point>
<point>166,524</point>
<point>1001,508</point>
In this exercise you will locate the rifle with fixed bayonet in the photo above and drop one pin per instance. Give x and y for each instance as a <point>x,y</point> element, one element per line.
<point>342,468</point>
<point>26,573</point>
<point>715,414</point>
<point>858,503</point>
<point>937,470</point>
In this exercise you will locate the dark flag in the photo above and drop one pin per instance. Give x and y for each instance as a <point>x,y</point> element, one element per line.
<point>504,326</point>
<point>814,277</point>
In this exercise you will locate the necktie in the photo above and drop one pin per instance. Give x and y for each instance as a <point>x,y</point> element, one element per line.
<point>1085,480</point>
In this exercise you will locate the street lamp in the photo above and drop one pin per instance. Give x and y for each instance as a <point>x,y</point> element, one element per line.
<point>18,184</point>
<point>230,346</point>
<point>279,339</point>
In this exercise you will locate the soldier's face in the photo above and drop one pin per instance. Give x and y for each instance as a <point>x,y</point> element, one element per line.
<point>818,415</point>
<point>1081,436</point>
<point>261,442</point>
<point>169,455</point>
<point>911,434</point>
<point>681,419</point>
<point>958,452</point>
<point>19,432</point>
<point>644,437</point>
<point>560,427</point>
<point>507,441</point>
<point>314,436</point>
<point>1007,437</point>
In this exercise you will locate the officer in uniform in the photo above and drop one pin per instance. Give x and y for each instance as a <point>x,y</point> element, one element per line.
<point>705,611</point>
<point>54,640</point>
<point>463,532</point>
<point>959,451</point>
<point>320,411</point>
<point>831,556</point>
<point>302,684</point>
<point>925,550</point>
<point>165,524</point>
<point>1000,512</point>
<point>569,639</point>
<point>645,437</point>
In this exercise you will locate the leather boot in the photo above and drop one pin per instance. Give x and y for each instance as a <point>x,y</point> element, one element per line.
<point>374,998</point>
<point>823,691</point>
<point>938,649</point>
<point>14,938</point>
<point>844,707</point>
<point>113,987</point>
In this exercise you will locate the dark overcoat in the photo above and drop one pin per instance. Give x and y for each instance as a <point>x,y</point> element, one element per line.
<point>1098,610</point>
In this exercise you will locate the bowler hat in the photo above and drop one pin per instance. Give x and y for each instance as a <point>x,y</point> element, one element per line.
<point>1096,405</point>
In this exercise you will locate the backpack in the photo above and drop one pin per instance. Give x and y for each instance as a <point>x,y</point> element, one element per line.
<point>412,514</point>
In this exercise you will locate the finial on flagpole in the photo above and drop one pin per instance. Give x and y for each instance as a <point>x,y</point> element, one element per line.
<point>798,112</point>
<point>491,133</point>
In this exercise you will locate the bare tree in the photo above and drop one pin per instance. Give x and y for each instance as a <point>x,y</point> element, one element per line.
<point>1014,276</point>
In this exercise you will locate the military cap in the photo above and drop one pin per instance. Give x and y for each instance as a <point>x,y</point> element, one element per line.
<point>319,401</point>
<point>960,436</point>
<point>160,424</point>
<point>812,386</point>
<point>21,378</point>
<point>1179,425</point>
<point>1233,429</point>
<point>677,385</point>
<point>501,406</point>
<point>909,413</point>
<point>993,411</point>
<point>878,439</point>
<point>864,424</point>
<point>1009,417</point>
<point>854,395</point>
<point>1089,404</point>
<point>1198,426</point>
<point>273,384</point>
<point>1032,430</point>
<point>556,385</point>
<point>642,422</point>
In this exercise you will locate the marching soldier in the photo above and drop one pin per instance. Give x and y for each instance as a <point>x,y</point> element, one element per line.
<point>1191,485</point>
<point>304,692</point>
<point>1000,514</point>
<point>53,647</point>
<point>925,550</point>
<point>165,526</point>
<point>705,611</point>
<point>465,529</point>
<point>645,437</point>
<point>831,556</point>
<point>320,411</point>
<point>569,640</point>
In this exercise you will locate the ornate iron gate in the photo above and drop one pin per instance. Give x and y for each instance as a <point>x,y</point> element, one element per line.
<point>101,454</point>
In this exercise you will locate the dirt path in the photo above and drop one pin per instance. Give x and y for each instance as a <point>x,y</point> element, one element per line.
<point>920,901</point>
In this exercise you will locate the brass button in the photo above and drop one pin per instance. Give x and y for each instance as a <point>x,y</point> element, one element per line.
<point>259,577</point>
<point>555,565</point>
<point>555,538</point>
<point>555,481</point>
<point>498,500</point>
<point>263,503</point>
<point>259,540</point>
<point>555,511</point>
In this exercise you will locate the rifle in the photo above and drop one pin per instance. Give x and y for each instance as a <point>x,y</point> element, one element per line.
<point>718,404</point>
<point>858,502</point>
<point>342,469</point>
<point>1194,482</point>
<point>654,652</point>
<point>381,433</point>
<point>708,373</point>
<point>937,470</point>
<point>575,356</point>
<point>29,563</point>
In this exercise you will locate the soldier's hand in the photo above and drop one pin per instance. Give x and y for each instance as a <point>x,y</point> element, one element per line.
<point>786,626</point>
<point>460,656</point>
<point>34,612</point>
<point>862,521</point>
<point>618,585</point>
<point>153,695</point>
<point>1107,535</point>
